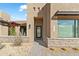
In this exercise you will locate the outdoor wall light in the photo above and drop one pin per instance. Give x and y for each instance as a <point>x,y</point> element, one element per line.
<point>29,26</point>
<point>38,8</point>
<point>34,8</point>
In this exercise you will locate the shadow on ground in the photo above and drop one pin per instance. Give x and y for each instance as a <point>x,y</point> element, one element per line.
<point>40,42</point>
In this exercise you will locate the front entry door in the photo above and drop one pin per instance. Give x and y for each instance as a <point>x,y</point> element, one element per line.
<point>38,31</point>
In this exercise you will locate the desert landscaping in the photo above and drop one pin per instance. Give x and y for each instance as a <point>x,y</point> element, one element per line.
<point>10,50</point>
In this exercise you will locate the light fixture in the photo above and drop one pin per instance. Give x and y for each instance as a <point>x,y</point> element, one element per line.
<point>38,8</point>
<point>34,8</point>
<point>29,26</point>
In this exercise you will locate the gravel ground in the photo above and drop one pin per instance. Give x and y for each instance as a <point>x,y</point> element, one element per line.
<point>35,49</point>
<point>10,50</point>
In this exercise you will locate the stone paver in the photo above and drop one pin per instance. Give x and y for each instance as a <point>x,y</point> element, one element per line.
<point>39,50</point>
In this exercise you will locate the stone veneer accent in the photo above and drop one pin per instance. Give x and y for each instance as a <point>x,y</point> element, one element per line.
<point>63,42</point>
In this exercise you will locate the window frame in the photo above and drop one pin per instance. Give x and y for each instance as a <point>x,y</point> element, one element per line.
<point>73,29</point>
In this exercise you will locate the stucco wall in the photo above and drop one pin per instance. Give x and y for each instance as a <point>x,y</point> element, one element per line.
<point>45,13</point>
<point>60,6</point>
<point>4,29</point>
<point>49,24</point>
<point>54,41</point>
<point>30,18</point>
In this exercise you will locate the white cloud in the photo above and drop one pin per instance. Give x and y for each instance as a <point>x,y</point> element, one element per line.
<point>12,17</point>
<point>25,15</point>
<point>23,7</point>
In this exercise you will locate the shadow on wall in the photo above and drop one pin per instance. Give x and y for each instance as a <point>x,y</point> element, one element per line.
<point>41,43</point>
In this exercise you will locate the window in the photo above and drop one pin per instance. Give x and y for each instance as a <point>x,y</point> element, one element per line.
<point>23,30</point>
<point>68,28</point>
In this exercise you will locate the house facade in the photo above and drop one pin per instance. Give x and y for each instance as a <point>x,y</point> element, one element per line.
<point>55,24</point>
<point>4,19</point>
<point>22,28</point>
<point>5,26</point>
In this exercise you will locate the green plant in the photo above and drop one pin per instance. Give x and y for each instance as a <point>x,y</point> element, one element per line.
<point>12,31</point>
<point>12,28</point>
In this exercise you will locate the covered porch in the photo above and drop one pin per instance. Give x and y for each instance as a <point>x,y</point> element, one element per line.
<point>19,27</point>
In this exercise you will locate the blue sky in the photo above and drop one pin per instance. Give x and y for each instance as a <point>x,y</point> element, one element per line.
<point>17,11</point>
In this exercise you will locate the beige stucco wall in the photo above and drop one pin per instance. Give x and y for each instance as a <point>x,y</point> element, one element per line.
<point>17,30</point>
<point>49,24</point>
<point>60,6</point>
<point>45,13</point>
<point>65,42</point>
<point>30,18</point>
<point>4,29</point>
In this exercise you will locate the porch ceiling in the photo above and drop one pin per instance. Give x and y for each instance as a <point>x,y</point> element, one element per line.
<point>66,15</point>
<point>38,17</point>
<point>4,23</point>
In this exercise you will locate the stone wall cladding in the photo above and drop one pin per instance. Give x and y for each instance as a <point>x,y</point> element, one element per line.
<point>10,39</point>
<point>63,42</point>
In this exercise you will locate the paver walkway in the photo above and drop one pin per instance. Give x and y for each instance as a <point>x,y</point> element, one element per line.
<point>39,50</point>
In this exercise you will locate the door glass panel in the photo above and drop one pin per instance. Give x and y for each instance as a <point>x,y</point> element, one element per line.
<point>38,31</point>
